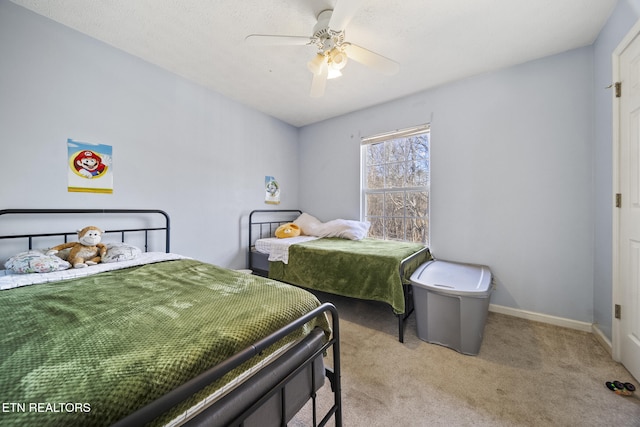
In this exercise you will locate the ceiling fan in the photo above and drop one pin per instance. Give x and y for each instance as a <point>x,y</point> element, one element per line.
<point>333,51</point>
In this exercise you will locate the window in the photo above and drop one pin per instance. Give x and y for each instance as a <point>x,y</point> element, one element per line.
<point>395,184</point>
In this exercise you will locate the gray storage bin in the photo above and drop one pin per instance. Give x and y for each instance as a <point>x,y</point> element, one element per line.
<point>451,301</point>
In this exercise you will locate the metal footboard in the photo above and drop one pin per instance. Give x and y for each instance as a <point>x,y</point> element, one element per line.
<point>407,290</point>
<point>159,406</point>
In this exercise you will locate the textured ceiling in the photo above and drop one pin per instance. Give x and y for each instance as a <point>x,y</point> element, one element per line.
<point>434,41</point>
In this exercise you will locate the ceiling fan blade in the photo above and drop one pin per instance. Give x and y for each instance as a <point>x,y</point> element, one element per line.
<point>274,40</point>
<point>315,65</point>
<point>319,81</point>
<point>343,12</point>
<point>371,59</point>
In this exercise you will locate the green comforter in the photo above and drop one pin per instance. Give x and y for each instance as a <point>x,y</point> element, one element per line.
<point>90,351</point>
<point>364,269</point>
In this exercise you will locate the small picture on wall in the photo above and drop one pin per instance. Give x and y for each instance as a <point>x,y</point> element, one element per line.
<point>89,167</point>
<point>272,190</point>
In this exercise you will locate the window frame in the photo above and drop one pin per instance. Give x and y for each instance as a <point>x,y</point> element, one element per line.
<point>382,137</point>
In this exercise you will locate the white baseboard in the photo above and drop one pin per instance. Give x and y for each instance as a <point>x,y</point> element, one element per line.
<point>544,318</point>
<point>602,339</point>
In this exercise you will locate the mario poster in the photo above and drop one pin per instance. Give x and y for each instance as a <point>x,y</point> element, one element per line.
<point>89,167</point>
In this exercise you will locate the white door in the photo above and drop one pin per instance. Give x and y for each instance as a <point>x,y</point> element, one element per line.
<point>628,214</point>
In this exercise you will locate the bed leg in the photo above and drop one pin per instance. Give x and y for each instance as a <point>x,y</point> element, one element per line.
<point>408,309</point>
<point>332,377</point>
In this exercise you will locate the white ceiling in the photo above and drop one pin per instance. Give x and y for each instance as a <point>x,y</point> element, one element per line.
<point>435,41</point>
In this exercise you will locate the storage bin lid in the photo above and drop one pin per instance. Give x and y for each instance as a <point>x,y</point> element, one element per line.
<point>453,278</point>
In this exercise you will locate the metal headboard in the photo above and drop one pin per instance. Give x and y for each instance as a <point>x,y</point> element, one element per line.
<point>268,220</point>
<point>65,234</point>
<point>264,222</point>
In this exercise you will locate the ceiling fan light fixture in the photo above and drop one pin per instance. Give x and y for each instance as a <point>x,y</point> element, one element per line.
<point>337,59</point>
<point>333,73</point>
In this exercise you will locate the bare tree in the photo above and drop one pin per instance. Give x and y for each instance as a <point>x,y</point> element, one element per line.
<point>397,188</point>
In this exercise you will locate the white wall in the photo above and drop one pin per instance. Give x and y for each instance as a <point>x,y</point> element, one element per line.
<point>176,146</point>
<point>511,176</point>
<point>622,19</point>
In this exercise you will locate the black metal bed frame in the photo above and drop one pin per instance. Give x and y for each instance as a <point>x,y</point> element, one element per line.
<point>158,407</point>
<point>65,234</point>
<point>267,228</point>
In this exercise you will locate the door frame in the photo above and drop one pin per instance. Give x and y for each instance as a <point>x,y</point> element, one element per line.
<point>616,342</point>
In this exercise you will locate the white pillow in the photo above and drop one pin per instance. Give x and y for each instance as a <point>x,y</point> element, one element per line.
<point>310,225</point>
<point>120,252</point>
<point>35,262</point>
<point>345,229</point>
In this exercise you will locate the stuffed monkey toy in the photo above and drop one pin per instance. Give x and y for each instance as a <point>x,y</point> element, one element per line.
<point>86,251</point>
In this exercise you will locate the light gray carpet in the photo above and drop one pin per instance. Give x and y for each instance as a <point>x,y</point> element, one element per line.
<point>526,374</point>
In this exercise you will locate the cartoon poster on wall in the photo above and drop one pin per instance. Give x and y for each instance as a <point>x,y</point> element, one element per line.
<point>89,167</point>
<point>272,190</point>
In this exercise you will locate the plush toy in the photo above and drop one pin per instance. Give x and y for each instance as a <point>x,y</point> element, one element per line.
<point>86,251</point>
<point>287,230</point>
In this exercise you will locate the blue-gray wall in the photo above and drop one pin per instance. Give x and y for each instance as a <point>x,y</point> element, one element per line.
<point>521,174</point>
<point>510,176</point>
<point>176,146</point>
<point>521,177</point>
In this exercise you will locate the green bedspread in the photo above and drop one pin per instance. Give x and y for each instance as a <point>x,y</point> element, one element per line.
<point>90,351</point>
<point>364,269</point>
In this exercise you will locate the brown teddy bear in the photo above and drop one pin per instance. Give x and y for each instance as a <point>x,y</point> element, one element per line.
<point>86,251</point>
